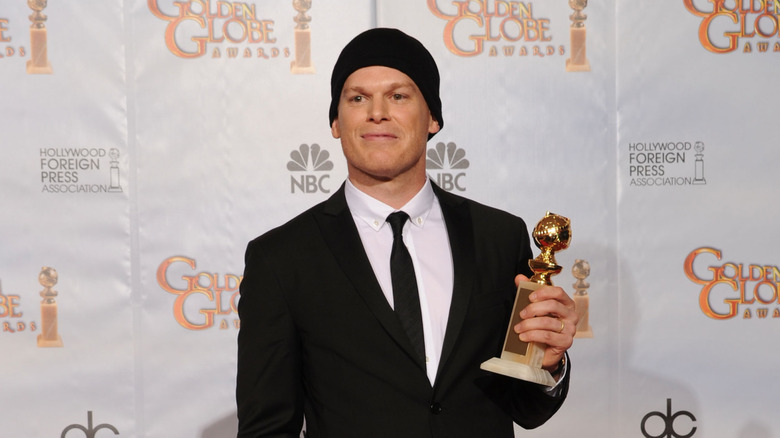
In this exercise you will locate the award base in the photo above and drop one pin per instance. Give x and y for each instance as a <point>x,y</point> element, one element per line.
<point>518,370</point>
<point>294,69</point>
<point>43,342</point>
<point>38,62</point>
<point>572,67</point>
<point>587,333</point>
<point>582,304</point>
<point>39,70</point>
<point>49,337</point>
<point>520,360</point>
<point>302,62</point>
<point>578,60</point>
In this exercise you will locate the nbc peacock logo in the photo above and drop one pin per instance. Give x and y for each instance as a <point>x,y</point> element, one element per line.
<point>448,163</point>
<point>308,164</point>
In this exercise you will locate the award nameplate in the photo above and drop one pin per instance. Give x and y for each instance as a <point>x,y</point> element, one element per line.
<point>523,360</point>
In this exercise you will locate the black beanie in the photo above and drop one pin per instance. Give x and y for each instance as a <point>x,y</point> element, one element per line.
<point>388,48</point>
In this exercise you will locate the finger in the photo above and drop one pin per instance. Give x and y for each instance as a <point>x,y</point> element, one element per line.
<point>562,320</point>
<point>548,307</point>
<point>551,293</point>
<point>552,339</point>
<point>552,332</point>
<point>563,325</point>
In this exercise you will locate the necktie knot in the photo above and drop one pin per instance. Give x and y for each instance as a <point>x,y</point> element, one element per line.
<point>397,221</point>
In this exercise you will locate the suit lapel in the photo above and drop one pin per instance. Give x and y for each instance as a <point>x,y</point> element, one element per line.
<point>340,233</point>
<point>459,230</point>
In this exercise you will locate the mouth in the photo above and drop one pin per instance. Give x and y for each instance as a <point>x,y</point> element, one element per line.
<point>378,136</point>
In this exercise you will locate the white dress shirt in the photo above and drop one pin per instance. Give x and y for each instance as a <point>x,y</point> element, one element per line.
<point>425,235</point>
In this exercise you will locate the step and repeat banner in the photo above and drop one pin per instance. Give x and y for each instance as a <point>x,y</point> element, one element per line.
<point>145,142</point>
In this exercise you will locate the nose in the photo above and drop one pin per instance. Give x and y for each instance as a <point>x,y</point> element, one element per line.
<point>378,111</point>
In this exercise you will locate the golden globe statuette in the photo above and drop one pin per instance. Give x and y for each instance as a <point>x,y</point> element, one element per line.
<point>523,360</point>
<point>38,62</point>
<point>114,186</point>
<point>578,60</point>
<point>699,148</point>
<point>302,62</point>
<point>580,270</point>
<point>49,337</point>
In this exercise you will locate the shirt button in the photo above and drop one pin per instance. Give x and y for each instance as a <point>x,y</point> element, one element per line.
<point>436,409</point>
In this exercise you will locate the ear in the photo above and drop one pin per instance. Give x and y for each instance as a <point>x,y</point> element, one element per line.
<point>334,129</point>
<point>433,126</point>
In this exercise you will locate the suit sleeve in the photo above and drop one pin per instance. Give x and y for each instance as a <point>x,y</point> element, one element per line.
<point>532,406</point>
<point>269,392</point>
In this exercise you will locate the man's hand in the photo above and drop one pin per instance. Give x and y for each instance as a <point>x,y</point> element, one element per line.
<point>550,319</point>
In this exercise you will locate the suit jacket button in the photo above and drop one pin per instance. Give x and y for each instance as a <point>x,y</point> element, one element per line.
<point>436,409</point>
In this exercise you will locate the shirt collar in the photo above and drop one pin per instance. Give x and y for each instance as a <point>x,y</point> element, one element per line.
<point>374,212</point>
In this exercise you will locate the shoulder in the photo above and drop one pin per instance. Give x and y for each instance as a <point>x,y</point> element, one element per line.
<point>482,215</point>
<point>300,227</point>
<point>303,228</point>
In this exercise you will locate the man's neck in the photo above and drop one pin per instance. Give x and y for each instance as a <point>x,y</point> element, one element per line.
<point>395,193</point>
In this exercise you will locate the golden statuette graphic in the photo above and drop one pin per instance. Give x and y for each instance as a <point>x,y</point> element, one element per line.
<point>49,336</point>
<point>699,148</point>
<point>523,360</point>
<point>114,187</point>
<point>580,270</point>
<point>302,62</point>
<point>38,62</point>
<point>578,60</point>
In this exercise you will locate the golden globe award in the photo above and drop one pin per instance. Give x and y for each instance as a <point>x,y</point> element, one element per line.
<point>523,360</point>
<point>580,270</point>
<point>578,60</point>
<point>38,62</point>
<point>302,62</point>
<point>49,336</point>
<point>114,187</point>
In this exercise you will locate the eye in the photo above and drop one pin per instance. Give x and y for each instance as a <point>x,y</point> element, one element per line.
<point>356,99</point>
<point>398,96</point>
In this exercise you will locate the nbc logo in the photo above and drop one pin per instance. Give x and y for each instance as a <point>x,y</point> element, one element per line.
<point>309,160</point>
<point>88,431</point>
<point>448,160</point>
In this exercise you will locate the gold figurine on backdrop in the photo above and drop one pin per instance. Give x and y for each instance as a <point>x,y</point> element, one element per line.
<point>578,60</point>
<point>523,360</point>
<point>581,270</point>
<point>114,186</point>
<point>49,336</point>
<point>39,61</point>
<point>302,62</point>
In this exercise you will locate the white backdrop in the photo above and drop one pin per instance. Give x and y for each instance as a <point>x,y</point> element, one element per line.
<point>159,145</point>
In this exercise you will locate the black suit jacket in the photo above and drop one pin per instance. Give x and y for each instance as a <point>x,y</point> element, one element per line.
<point>319,339</point>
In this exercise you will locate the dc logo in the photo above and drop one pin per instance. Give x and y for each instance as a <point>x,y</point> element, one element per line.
<point>89,431</point>
<point>669,430</point>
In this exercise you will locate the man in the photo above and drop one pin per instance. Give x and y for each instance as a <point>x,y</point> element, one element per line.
<point>325,332</point>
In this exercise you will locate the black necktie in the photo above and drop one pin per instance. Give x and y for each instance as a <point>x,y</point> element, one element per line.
<point>405,296</point>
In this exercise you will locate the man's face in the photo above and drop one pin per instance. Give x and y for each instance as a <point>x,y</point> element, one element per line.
<point>383,123</point>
